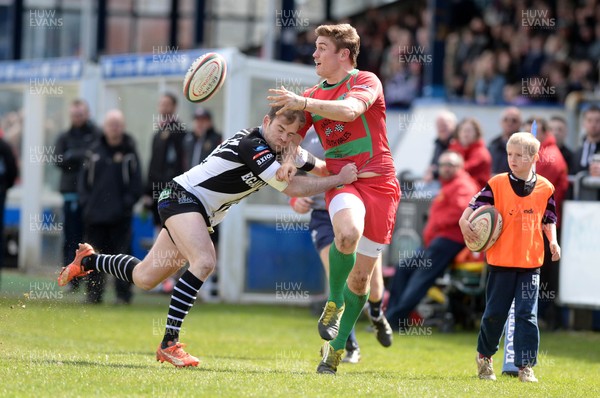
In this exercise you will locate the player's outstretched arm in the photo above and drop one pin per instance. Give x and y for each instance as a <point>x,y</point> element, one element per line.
<point>302,160</point>
<point>344,110</point>
<point>310,163</point>
<point>320,168</point>
<point>308,186</point>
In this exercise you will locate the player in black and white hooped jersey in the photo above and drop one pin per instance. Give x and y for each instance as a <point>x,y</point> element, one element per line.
<point>196,201</point>
<point>235,169</point>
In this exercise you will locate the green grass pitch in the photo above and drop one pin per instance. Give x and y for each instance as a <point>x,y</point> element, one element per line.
<point>51,346</point>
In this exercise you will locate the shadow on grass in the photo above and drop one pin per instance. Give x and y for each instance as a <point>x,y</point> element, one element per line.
<point>238,357</point>
<point>406,376</point>
<point>92,364</point>
<point>252,371</point>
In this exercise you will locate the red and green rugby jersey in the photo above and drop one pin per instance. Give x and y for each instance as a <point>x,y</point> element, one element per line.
<point>363,140</point>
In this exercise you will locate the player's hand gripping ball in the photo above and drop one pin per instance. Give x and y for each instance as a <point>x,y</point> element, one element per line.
<point>487,224</point>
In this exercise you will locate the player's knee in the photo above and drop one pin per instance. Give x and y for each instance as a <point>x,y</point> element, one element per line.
<point>359,281</point>
<point>203,267</point>
<point>494,318</point>
<point>208,267</point>
<point>144,282</point>
<point>347,240</point>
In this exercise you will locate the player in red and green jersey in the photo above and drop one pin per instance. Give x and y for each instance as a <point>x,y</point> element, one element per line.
<point>362,140</point>
<point>347,110</point>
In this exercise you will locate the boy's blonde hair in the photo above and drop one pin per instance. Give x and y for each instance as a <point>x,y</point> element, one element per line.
<point>527,141</point>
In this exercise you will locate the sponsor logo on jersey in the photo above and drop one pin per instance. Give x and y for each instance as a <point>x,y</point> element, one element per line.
<point>338,141</point>
<point>164,194</point>
<point>251,180</point>
<point>264,158</point>
<point>184,200</point>
<point>260,154</point>
<point>260,148</point>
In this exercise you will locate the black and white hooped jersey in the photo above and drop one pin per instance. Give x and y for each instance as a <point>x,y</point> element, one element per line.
<point>238,167</point>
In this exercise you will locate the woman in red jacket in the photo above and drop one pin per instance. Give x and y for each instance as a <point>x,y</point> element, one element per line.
<point>469,143</point>
<point>551,165</point>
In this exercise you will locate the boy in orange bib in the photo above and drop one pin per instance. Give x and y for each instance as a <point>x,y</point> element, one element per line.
<point>526,202</point>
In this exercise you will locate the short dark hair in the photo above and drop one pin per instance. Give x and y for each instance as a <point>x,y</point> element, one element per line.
<point>80,102</point>
<point>290,115</point>
<point>558,118</point>
<point>171,96</point>
<point>592,108</point>
<point>541,122</point>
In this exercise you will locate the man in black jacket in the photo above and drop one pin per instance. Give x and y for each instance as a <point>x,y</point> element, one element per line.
<point>71,147</point>
<point>591,143</point>
<point>168,158</point>
<point>202,140</point>
<point>558,126</point>
<point>8,175</point>
<point>445,124</point>
<point>511,122</point>
<point>110,185</point>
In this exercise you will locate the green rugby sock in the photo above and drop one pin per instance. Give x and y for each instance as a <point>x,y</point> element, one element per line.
<point>340,265</point>
<point>354,305</point>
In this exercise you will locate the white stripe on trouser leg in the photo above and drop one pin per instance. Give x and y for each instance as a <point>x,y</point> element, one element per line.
<point>346,201</point>
<point>368,248</point>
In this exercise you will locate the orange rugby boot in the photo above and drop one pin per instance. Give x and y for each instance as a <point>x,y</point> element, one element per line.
<point>175,355</point>
<point>75,269</point>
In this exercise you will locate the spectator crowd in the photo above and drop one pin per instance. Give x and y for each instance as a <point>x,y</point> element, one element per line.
<point>510,52</point>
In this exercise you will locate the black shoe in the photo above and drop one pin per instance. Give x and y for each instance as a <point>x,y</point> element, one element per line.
<point>329,323</point>
<point>383,330</point>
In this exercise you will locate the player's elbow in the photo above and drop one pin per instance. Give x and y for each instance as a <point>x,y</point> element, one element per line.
<point>291,191</point>
<point>353,109</point>
<point>548,227</point>
<point>349,115</point>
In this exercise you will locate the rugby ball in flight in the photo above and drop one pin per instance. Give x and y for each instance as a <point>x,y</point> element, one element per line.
<point>487,224</point>
<point>205,77</point>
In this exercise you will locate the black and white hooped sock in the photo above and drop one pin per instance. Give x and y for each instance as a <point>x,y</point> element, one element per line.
<point>119,265</point>
<point>182,300</point>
